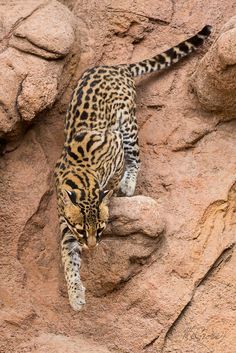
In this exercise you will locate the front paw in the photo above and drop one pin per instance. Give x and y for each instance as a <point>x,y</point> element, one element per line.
<point>77,296</point>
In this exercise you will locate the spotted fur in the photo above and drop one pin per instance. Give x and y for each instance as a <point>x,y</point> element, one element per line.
<point>101,153</point>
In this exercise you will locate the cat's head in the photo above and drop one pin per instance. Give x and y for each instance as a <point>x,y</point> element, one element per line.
<point>86,214</point>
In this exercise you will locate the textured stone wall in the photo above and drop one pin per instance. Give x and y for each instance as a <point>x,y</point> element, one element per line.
<point>214,81</point>
<point>36,42</point>
<point>163,279</point>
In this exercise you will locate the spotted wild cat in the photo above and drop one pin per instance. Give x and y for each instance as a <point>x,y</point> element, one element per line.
<point>101,153</point>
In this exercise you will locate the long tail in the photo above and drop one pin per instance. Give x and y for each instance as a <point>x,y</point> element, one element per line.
<point>170,56</point>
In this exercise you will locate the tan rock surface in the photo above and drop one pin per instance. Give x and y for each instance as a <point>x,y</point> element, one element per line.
<point>137,214</point>
<point>138,220</point>
<point>41,32</point>
<point>61,344</point>
<point>170,293</point>
<point>48,32</point>
<point>215,78</point>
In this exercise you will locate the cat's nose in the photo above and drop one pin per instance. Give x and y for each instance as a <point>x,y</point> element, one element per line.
<point>92,241</point>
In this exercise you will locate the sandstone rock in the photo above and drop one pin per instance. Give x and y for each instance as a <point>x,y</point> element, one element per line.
<point>48,32</point>
<point>51,343</point>
<point>29,81</point>
<point>27,173</point>
<point>137,214</point>
<point>16,318</point>
<point>215,78</point>
<point>117,259</point>
<point>9,86</point>
<point>39,89</point>
<point>174,292</point>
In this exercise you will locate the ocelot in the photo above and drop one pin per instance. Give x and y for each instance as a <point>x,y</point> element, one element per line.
<point>101,153</point>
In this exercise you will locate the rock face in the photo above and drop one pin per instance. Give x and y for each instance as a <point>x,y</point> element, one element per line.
<point>137,214</point>
<point>32,56</point>
<point>131,241</point>
<point>61,344</point>
<point>215,78</point>
<point>163,278</point>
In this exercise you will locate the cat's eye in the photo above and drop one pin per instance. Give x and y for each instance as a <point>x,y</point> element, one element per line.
<point>72,196</point>
<point>80,231</point>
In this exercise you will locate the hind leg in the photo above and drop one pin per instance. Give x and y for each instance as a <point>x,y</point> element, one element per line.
<point>132,161</point>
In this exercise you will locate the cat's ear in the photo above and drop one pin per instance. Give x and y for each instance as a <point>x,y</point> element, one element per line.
<point>69,196</point>
<point>105,196</point>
